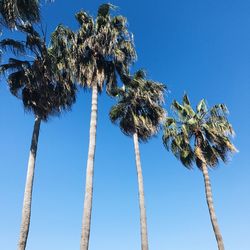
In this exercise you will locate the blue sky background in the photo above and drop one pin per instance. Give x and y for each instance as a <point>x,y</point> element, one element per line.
<point>201,47</point>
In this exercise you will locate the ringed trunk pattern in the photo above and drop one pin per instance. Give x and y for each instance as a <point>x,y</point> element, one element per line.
<point>211,209</point>
<point>26,212</point>
<point>143,219</point>
<point>89,173</point>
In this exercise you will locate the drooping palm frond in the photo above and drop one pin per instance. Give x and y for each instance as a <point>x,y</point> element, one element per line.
<point>139,108</point>
<point>28,10</point>
<point>15,12</point>
<point>201,136</point>
<point>60,50</point>
<point>14,65</point>
<point>16,47</point>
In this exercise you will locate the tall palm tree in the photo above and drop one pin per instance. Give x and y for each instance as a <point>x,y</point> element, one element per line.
<point>100,51</point>
<point>45,90</point>
<point>139,113</point>
<point>200,137</point>
<point>12,12</point>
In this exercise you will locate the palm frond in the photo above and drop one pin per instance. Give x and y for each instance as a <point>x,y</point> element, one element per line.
<point>186,100</point>
<point>14,65</point>
<point>180,110</point>
<point>187,156</point>
<point>201,107</point>
<point>16,47</point>
<point>219,110</point>
<point>83,18</point>
<point>15,12</point>
<point>104,9</point>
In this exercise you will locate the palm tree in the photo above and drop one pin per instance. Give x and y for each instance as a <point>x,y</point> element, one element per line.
<point>45,90</point>
<point>139,113</point>
<point>200,137</point>
<point>99,52</point>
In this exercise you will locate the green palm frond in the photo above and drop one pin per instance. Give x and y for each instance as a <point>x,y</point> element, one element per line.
<point>199,137</point>
<point>187,156</point>
<point>201,107</point>
<point>188,107</point>
<point>170,122</point>
<point>219,110</point>
<point>168,136</point>
<point>180,110</point>
<point>186,100</point>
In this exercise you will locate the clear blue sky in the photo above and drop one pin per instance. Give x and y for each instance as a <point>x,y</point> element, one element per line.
<point>201,47</point>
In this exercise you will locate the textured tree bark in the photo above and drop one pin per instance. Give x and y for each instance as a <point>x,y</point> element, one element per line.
<point>211,209</point>
<point>89,174</point>
<point>143,218</point>
<point>26,212</point>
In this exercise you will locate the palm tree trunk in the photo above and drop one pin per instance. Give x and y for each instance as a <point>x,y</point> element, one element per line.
<point>26,212</point>
<point>143,219</point>
<point>211,207</point>
<point>89,174</point>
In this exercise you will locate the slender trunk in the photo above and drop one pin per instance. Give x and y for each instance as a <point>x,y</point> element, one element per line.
<point>26,212</point>
<point>89,174</point>
<point>211,207</point>
<point>143,219</point>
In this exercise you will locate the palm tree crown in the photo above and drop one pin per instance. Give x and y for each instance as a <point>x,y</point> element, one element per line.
<point>139,109</point>
<point>199,136</point>
<point>44,88</point>
<point>99,50</point>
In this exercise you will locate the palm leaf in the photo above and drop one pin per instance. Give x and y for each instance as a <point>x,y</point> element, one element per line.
<point>16,47</point>
<point>201,107</point>
<point>186,100</point>
<point>104,9</point>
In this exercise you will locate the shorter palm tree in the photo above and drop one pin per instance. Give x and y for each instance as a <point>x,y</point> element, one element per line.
<point>200,137</point>
<point>139,113</point>
<point>45,90</point>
